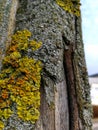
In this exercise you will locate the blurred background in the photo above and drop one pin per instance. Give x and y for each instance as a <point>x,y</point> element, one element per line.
<point>89,10</point>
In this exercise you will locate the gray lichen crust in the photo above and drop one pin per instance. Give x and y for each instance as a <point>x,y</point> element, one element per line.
<point>82,84</point>
<point>47,22</point>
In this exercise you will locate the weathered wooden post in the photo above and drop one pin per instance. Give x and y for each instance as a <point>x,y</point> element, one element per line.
<point>64,89</point>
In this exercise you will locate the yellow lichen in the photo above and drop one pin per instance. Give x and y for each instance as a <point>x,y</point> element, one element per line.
<point>72,6</point>
<point>20,80</point>
<point>1,125</point>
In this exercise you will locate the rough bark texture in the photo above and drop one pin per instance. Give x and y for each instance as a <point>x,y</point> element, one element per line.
<point>65,92</point>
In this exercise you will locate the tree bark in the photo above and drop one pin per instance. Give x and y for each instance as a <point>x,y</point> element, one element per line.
<point>65,91</point>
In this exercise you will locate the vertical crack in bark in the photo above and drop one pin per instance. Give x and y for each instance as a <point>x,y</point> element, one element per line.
<point>70,80</point>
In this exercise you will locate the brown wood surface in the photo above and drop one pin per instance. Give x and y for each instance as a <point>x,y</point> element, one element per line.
<point>95,111</point>
<point>73,107</point>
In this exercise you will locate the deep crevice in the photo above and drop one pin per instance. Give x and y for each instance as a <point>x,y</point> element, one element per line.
<point>70,81</point>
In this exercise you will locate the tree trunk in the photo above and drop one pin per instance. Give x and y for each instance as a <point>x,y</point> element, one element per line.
<point>65,91</point>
